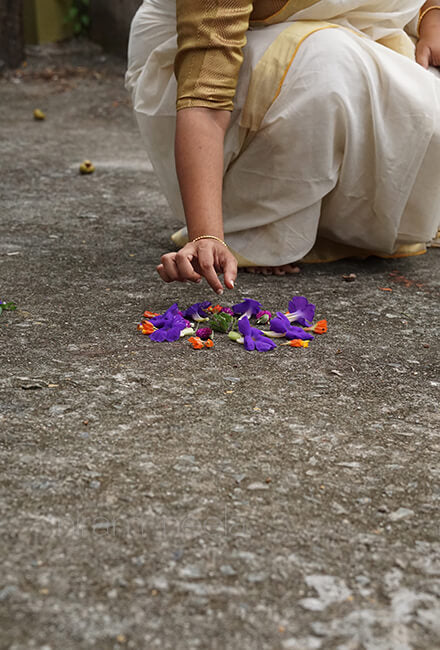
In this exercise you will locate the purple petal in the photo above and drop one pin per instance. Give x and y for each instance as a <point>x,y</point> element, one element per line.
<point>158,335</point>
<point>264,344</point>
<point>173,334</point>
<point>298,303</point>
<point>247,305</point>
<point>244,326</point>
<point>302,310</point>
<point>280,323</point>
<point>196,311</point>
<point>249,343</point>
<point>298,333</point>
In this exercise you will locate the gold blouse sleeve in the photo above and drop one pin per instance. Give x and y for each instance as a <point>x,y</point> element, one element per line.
<point>210,37</point>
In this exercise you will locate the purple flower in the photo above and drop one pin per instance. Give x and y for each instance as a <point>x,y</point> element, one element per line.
<point>227,310</point>
<point>171,312</point>
<point>197,311</point>
<point>253,338</point>
<point>247,308</point>
<point>204,333</point>
<point>301,311</point>
<point>281,326</point>
<point>171,333</point>
<point>168,325</point>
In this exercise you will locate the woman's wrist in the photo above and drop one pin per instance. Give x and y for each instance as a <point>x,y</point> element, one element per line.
<point>429,19</point>
<point>202,227</point>
<point>211,237</point>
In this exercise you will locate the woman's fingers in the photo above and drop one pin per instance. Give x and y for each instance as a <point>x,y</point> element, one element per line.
<point>205,258</point>
<point>423,54</point>
<point>185,268</point>
<point>230,271</point>
<point>192,263</point>
<point>163,274</point>
<point>170,270</point>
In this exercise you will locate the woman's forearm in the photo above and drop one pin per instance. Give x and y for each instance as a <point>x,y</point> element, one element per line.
<point>200,134</point>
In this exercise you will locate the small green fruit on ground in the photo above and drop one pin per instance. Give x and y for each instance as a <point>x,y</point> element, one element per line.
<point>86,167</point>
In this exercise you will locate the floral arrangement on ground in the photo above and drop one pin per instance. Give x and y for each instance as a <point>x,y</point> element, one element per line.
<point>246,323</point>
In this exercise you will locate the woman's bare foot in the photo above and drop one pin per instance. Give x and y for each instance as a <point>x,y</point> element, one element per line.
<point>284,269</point>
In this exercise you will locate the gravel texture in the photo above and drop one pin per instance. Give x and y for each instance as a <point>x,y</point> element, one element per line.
<point>153,496</point>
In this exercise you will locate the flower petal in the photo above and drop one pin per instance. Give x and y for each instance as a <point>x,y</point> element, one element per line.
<point>280,323</point>
<point>247,306</point>
<point>249,343</point>
<point>244,326</point>
<point>159,336</point>
<point>264,344</point>
<point>298,333</point>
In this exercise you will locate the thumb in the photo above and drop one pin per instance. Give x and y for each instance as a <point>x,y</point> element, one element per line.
<point>423,55</point>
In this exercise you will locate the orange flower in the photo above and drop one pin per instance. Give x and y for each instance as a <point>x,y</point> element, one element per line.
<point>318,328</point>
<point>298,343</point>
<point>196,342</point>
<point>146,327</point>
<point>150,314</point>
<point>214,309</point>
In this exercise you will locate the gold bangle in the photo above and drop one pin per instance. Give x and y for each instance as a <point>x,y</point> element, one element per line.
<point>209,237</point>
<point>423,14</point>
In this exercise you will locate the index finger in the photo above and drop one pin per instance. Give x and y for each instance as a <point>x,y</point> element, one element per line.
<point>206,265</point>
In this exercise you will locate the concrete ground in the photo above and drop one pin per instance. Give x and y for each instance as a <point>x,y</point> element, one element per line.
<point>153,496</point>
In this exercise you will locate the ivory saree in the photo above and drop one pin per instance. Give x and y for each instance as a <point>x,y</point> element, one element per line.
<point>334,142</point>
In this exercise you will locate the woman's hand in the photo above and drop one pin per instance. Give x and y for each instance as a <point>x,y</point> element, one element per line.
<point>204,258</point>
<point>428,45</point>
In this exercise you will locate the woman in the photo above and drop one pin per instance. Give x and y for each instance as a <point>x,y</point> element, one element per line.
<point>303,129</point>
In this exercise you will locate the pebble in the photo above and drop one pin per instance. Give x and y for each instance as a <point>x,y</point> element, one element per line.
<point>401,513</point>
<point>331,589</point>
<point>7,591</point>
<point>257,486</point>
<point>256,577</point>
<point>191,571</point>
<point>159,582</point>
<point>227,570</point>
<point>306,643</point>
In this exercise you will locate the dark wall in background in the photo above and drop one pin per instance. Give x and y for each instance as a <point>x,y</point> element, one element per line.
<point>11,32</point>
<point>110,24</point>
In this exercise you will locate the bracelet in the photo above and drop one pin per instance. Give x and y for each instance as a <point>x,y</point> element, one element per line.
<point>209,237</point>
<point>423,14</point>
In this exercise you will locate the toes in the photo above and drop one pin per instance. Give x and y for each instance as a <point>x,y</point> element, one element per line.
<point>290,268</point>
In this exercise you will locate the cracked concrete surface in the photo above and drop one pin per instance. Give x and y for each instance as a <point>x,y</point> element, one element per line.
<point>153,496</point>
